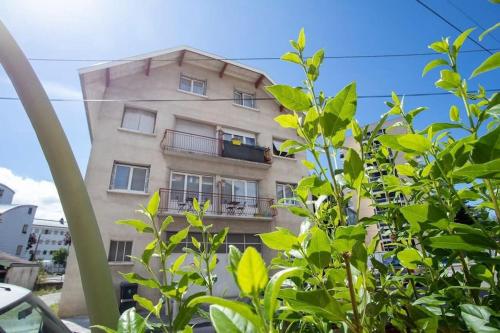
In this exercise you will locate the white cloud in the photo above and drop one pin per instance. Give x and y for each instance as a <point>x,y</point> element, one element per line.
<point>41,193</point>
<point>58,90</point>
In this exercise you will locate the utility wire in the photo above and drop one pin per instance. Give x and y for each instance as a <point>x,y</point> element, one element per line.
<point>7,98</point>
<point>355,56</point>
<point>451,24</point>
<point>464,13</point>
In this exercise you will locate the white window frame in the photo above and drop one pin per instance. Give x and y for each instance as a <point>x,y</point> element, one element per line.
<point>242,134</point>
<point>19,250</point>
<point>25,229</point>
<point>282,186</point>
<point>131,169</point>
<point>192,80</point>
<point>126,257</point>
<point>200,182</point>
<point>141,112</point>
<point>232,180</point>
<point>244,96</point>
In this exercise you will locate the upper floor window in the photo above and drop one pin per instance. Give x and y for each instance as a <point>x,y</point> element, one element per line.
<point>25,228</point>
<point>1,192</point>
<point>139,120</point>
<point>19,249</point>
<point>129,177</point>
<point>194,86</point>
<point>120,250</point>
<point>47,232</point>
<point>284,193</point>
<point>278,152</point>
<point>244,99</point>
<point>243,137</point>
<point>30,210</point>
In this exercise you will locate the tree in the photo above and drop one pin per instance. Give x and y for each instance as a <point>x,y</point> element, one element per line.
<point>59,256</point>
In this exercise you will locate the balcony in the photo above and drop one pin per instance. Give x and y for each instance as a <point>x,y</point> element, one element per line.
<point>183,142</point>
<point>221,205</point>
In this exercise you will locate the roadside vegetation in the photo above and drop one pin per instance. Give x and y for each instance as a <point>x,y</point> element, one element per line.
<point>443,217</point>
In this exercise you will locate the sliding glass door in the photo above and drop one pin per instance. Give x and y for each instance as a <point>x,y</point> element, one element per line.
<point>184,187</point>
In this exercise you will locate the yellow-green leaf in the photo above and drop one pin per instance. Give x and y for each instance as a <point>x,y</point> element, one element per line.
<point>251,272</point>
<point>489,64</point>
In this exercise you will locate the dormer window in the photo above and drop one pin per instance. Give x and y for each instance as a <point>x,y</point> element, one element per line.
<point>244,99</point>
<point>194,86</point>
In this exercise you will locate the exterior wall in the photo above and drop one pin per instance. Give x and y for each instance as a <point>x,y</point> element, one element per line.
<point>55,238</point>
<point>11,227</point>
<point>22,276</point>
<point>6,195</point>
<point>110,143</point>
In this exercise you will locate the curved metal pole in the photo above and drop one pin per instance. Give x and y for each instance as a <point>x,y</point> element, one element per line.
<point>94,270</point>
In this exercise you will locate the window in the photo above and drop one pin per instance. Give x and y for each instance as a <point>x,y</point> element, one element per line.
<point>285,192</point>
<point>61,232</point>
<point>243,137</point>
<point>25,229</point>
<point>120,250</point>
<point>276,149</point>
<point>129,178</point>
<point>44,252</point>
<point>47,242</point>
<point>47,232</point>
<point>234,188</point>
<point>1,192</point>
<point>53,242</point>
<point>30,210</point>
<point>244,99</point>
<point>36,230</point>
<point>194,86</point>
<point>19,249</point>
<point>59,243</point>
<point>139,120</point>
<point>187,186</point>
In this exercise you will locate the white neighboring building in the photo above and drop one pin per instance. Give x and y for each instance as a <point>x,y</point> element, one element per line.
<point>15,223</point>
<point>51,236</point>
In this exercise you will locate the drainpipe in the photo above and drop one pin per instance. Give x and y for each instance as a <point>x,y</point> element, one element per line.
<point>96,279</point>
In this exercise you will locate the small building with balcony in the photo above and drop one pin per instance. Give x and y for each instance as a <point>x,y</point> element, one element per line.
<point>190,125</point>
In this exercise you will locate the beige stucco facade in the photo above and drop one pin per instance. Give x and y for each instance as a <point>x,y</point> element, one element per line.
<point>146,84</point>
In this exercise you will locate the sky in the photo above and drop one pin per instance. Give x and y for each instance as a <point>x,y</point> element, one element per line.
<point>106,29</point>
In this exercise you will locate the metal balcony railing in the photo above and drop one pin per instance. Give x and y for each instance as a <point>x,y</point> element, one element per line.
<point>187,142</point>
<point>179,201</point>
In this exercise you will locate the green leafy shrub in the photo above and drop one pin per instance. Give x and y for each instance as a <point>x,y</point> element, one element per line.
<point>442,214</point>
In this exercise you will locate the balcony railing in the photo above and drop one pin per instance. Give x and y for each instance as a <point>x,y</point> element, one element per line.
<point>179,201</point>
<point>187,142</point>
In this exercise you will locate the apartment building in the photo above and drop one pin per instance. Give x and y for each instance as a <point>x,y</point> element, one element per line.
<point>51,236</point>
<point>15,223</point>
<point>189,125</point>
<point>374,174</point>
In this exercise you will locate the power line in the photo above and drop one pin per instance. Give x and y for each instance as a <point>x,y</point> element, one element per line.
<point>8,98</point>
<point>451,24</point>
<point>464,13</point>
<point>355,56</point>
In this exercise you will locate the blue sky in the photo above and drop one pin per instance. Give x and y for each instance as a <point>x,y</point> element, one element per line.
<point>117,29</point>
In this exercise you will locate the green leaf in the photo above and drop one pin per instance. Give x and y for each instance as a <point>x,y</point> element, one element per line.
<point>308,164</point>
<point>318,249</point>
<point>477,318</point>
<point>136,278</point>
<point>316,302</point>
<point>242,309</point>
<point>353,169</point>
<point>166,222</point>
<point>487,31</point>
<point>359,257</point>
<point>273,289</point>
<point>131,322</point>
<point>440,47</point>
<point>252,272</point>
<point>299,211</point>
<point>153,204</point>
<point>454,113</point>
<point>145,303</point>
<point>193,219</point>
<point>104,328</point>
<point>421,213</point>
<point>463,242</point>
<point>433,64</point>
<point>280,240</point>
<point>487,147</point>
<point>148,251</point>
<point>483,273</point>
<point>339,112</point>
<point>291,57</point>
<point>178,262</point>
<point>489,64</point>
<point>287,121</point>
<point>489,170</point>
<point>139,225</point>
<point>409,258</point>
<point>408,143</point>
<point>459,41</point>
<point>301,41</point>
<point>226,320</point>
<point>179,236</point>
<point>448,80</point>
<point>347,236</point>
<point>291,98</point>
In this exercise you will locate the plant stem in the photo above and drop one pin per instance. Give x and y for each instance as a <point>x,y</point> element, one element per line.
<point>493,196</point>
<point>347,259</point>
